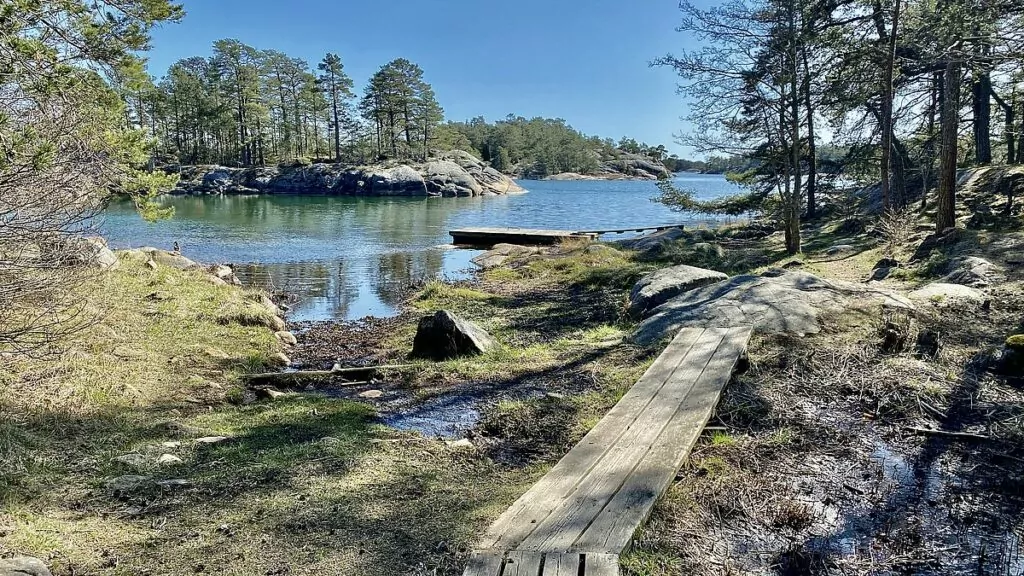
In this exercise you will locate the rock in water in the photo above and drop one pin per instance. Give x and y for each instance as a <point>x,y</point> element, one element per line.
<point>444,335</point>
<point>23,566</point>
<point>788,302</point>
<point>658,287</point>
<point>447,178</point>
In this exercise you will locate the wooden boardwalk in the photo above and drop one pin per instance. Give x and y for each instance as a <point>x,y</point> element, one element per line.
<point>583,513</point>
<point>529,236</point>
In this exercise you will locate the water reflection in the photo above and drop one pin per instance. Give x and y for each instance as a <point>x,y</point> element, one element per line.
<point>353,257</point>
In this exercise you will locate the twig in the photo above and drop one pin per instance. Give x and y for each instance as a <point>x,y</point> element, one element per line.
<point>964,435</point>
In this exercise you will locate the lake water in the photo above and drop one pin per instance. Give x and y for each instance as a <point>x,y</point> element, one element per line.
<point>347,258</point>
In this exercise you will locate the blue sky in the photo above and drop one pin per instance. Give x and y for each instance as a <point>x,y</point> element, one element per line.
<point>582,60</point>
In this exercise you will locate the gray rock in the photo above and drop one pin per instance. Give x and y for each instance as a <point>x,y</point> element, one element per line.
<point>461,444</point>
<point>280,360</point>
<point>447,178</point>
<point>169,259</point>
<point>654,243</point>
<point>840,249</point>
<point>128,483</point>
<point>95,253</point>
<point>397,181</point>
<point>224,273</point>
<point>371,394</point>
<point>658,287</point>
<point>500,253</point>
<point>270,394</point>
<point>168,460</point>
<point>941,294</point>
<point>790,302</point>
<point>212,440</point>
<point>23,566</point>
<point>973,271</point>
<point>132,460</point>
<point>490,180</point>
<point>286,337</point>
<point>444,335</point>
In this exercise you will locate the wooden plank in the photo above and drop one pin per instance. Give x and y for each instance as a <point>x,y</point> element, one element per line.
<point>485,563</point>
<point>560,529</point>
<point>613,530</point>
<point>521,563</point>
<point>516,523</point>
<point>601,565</point>
<point>557,564</point>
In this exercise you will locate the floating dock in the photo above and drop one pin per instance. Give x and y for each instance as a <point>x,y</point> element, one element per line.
<point>531,237</point>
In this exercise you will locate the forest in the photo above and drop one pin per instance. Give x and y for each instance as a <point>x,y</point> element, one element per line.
<point>911,89</point>
<point>246,107</point>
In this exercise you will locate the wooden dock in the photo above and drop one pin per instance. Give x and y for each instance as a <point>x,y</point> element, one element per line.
<point>583,513</point>
<point>531,237</point>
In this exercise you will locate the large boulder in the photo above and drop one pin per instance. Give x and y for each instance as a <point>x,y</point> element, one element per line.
<point>23,566</point>
<point>447,178</point>
<point>93,252</point>
<point>658,287</point>
<point>1011,357</point>
<point>973,271</point>
<point>942,294</point>
<point>169,259</point>
<point>784,302</point>
<point>444,335</point>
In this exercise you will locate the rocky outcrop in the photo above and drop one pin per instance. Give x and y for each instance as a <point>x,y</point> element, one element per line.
<point>973,271</point>
<point>782,302</point>
<point>23,566</point>
<point>942,294</point>
<point>444,335</point>
<point>453,173</point>
<point>497,255</point>
<point>653,244</point>
<point>662,285</point>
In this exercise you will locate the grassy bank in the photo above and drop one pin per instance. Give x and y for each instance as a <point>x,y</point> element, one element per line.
<point>803,446</point>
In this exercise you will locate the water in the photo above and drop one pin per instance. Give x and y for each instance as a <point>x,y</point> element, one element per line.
<point>347,258</point>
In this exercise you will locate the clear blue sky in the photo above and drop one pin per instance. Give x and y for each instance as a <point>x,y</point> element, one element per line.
<point>582,60</point>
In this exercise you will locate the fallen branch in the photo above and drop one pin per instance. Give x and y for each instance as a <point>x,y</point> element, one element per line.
<point>304,376</point>
<point>964,435</point>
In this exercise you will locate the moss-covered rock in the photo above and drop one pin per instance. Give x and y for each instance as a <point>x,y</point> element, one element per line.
<point>1016,343</point>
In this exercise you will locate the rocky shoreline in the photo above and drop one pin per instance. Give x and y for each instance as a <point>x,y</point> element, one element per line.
<point>451,174</point>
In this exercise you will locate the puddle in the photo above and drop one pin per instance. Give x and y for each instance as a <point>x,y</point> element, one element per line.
<point>447,416</point>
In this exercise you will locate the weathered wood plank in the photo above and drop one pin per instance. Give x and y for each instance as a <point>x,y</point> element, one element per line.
<point>485,563</point>
<point>516,523</point>
<point>521,563</point>
<point>612,531</point>
<point>491,236</point>
<point>601,565</point>
<point>557,564</point>
<point>560,530</point>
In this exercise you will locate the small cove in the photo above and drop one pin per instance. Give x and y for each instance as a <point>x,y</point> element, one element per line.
<point>345,258</point>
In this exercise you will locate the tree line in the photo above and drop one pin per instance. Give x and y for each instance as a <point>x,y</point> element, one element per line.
<point>897,82</point>
<point>539,147</point>
<point>248,107</point>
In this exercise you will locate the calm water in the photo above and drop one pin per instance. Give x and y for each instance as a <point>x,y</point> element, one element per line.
<point>348,258</point>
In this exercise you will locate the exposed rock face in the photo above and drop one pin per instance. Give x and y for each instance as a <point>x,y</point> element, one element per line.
<point>654,243</point>
<point>786,302</point>
<point>447,178</point>
<point>497,255</point>
<point>941,294</point>
<point>658,287</point>
<point>454,173</point>
<point>973,271</point>
<point>163,258</point>
<point>23,566</point>
<point>444,335</point>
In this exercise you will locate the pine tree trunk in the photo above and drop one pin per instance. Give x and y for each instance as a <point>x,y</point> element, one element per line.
<point>812,151</point>
<point>887,113</point>
<point>945,216</point>
<point>982,106</point>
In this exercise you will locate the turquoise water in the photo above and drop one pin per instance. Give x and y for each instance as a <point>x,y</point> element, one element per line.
<point>347,258</point>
